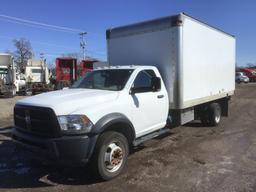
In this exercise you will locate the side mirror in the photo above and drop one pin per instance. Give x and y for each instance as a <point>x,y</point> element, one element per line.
<point>155,84</point>
<point>132,91</point>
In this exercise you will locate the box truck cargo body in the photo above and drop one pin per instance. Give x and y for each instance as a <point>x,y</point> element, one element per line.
<point>163,73</point>
<point>37,77</point>
<point>196,61</point>
<point>66,69</point>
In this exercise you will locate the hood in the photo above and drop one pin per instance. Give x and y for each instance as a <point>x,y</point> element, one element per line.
<point>68,101</point>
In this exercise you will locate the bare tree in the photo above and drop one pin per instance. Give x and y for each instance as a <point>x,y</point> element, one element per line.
<point>23,53</point>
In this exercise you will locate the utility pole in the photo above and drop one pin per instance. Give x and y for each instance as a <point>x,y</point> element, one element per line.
<point>41,56</point>
<point>82,43</point>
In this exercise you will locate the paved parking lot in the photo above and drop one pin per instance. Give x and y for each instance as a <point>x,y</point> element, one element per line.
<point>188,158</point>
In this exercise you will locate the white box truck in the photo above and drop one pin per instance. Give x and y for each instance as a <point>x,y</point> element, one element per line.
<point>165,72</point>
<point>37,76</point>
<point>7,75</point>
<point>195,60</point>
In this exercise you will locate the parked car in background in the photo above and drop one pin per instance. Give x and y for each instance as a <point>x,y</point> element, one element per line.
<point>250,73</point>
<point>241,78</point>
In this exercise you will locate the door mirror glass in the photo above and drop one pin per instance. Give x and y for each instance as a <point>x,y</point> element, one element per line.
<point>155,84</point>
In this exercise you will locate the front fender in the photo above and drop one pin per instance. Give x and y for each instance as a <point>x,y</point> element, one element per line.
<point>104,123</point>
<point>110,119</point>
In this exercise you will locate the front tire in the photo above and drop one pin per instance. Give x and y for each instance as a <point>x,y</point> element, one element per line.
<point>110,155</point>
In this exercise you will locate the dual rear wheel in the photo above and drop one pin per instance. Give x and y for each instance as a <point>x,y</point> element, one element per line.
<point>211,116</point>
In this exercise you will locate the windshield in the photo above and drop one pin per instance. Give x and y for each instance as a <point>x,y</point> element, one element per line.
<point>3,71</point>
<point>36,71</point>
<point>110,79</point>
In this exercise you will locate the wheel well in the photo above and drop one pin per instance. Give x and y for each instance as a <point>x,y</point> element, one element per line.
<point>124,129</point>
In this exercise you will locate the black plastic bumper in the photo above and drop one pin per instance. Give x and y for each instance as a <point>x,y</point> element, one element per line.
<point>68,150</point>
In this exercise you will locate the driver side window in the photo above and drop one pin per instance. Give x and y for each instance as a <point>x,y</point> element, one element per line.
<point>143,80</point>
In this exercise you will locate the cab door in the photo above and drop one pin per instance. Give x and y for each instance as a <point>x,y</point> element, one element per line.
<point>149,108</point>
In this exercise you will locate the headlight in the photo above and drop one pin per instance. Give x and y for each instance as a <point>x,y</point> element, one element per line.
<point>75,124</point>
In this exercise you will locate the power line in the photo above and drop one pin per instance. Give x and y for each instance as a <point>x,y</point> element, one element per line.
<point>42,43</point>
<point>30,25</point>
<point>91,52</point>
<point>40,24</point>
<point>6,18</point>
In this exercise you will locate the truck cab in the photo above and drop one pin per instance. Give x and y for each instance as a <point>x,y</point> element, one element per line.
<point>37,76</point>
<point>20,82</point>
<point>7,75</point>
<point>114,106</point>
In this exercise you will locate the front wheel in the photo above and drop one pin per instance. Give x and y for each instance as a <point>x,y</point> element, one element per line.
<point>110,155</point>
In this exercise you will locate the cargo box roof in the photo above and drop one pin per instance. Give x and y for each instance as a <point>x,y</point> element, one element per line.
<point>154,25</point>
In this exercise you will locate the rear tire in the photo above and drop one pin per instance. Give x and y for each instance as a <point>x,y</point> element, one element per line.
<point>214,114</point>
<point>211,115</point>
<point>110,155</point>
<point>204,120</point>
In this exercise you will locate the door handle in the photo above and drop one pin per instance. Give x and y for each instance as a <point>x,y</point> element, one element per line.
<point>160,96</point>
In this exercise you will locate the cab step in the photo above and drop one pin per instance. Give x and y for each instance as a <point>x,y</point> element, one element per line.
<point>149,136</point>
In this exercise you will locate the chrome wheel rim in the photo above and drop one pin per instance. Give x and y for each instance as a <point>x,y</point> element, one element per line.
<point>113,157</point>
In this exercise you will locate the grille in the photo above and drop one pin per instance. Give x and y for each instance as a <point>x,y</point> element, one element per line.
<point>39,121</point>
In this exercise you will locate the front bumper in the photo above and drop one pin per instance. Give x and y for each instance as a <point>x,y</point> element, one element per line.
<point>67,150</point>
<point>246,80</point>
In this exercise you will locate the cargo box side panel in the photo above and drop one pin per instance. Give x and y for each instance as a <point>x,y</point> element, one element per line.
<point>157,48</point>
<point>208,57</point>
